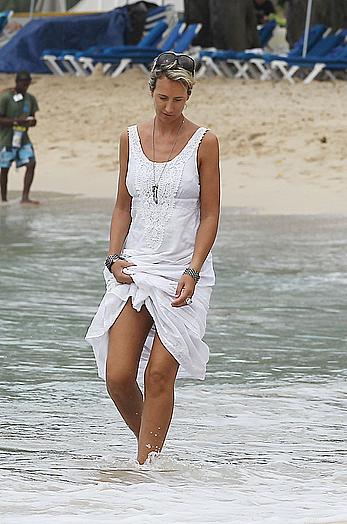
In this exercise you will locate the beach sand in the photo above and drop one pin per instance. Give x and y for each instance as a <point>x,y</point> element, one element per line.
<point>283,147</point>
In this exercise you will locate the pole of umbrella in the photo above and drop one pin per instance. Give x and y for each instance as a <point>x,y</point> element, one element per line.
<point>307,27</point>
<point>31,9</point>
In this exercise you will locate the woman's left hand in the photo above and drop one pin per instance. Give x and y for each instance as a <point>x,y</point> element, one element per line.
<point>185,289</point>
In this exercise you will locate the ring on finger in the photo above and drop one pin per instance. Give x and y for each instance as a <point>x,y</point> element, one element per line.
<point>189,300</point>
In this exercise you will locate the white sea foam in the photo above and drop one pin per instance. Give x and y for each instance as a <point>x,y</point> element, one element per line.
<point>262,441</point>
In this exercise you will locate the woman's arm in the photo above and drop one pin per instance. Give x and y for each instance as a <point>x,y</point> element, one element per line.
<point>209,200</point>
<point>208,160</point>
<point>121,216</point>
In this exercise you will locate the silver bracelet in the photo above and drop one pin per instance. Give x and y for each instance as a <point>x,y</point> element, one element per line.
<point>192,273</point>
<point>110,259</point>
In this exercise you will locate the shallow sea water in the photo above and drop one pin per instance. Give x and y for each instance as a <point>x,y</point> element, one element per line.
<point>262,440</point>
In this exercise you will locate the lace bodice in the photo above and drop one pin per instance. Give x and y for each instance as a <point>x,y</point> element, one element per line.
<point>178,188</point>
<point>160,244</point>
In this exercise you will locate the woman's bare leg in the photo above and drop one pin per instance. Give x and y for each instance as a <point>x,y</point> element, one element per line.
<point>126,339</point>
<point>158,403</point>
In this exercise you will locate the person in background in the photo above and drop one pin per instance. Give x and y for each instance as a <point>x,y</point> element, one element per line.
<point>17,115</point>
<point>263,8</point>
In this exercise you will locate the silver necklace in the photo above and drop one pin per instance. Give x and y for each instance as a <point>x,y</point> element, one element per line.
<point>155,184</point>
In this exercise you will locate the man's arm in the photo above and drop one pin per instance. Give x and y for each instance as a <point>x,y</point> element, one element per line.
<point>10,122</point>
<point>4,120</point>
<point>34,109</point>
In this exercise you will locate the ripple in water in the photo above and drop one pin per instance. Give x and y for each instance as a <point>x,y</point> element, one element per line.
<point>261,440</point>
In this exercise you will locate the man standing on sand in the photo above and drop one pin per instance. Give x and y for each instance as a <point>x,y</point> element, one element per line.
<point>17,114</point>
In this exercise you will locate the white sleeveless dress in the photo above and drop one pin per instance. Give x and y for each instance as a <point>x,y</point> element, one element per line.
<point>160,242</point>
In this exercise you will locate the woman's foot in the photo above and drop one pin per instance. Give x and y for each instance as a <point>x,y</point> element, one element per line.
<point>29,201</point>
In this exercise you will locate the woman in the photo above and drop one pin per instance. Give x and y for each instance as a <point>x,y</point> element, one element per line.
<point>159,273</point>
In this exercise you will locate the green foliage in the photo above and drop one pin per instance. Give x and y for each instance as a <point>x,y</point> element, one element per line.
<point>281,21</point>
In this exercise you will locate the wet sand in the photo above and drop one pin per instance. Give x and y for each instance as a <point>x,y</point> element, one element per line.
<point>282,146</point>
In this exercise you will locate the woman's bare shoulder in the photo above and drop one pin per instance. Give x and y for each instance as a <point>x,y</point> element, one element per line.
<point>144,127</point>
<point>209,146</point>
<point>140,126</point>
<point>209,136</point>
<point>209,141</point>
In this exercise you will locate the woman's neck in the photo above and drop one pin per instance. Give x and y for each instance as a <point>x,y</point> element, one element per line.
<point>167,128</point>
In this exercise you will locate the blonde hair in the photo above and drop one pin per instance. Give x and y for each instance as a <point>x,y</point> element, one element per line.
<point>172,72</point>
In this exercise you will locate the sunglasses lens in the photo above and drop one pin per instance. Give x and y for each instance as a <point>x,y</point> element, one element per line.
<point>165,59</point>
<point>185,61</point>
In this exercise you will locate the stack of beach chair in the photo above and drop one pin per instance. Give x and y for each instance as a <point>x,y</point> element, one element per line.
<point>5,17</point>
<point>162,33</point>
<point>326,52</point>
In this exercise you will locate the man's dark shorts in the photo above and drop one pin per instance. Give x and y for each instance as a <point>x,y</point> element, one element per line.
<point>22,156</point>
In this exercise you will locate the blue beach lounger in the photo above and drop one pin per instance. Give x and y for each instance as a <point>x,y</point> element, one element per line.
<point>214,60</point>
<point>84,67</point>
<point>221,62</point>
<point>5,17</point>
<point>333,62</point>
<point>61,61</point>
<point>266,32</point>
<point>326,47</point>
<point>144,57</point>
<point>262,64</point>
<point>122,57</point>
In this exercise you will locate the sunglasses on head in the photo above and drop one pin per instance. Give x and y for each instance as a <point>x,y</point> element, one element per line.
<point>169,58</point>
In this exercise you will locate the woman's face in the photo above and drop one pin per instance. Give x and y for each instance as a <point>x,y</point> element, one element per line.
<point>169,98</point>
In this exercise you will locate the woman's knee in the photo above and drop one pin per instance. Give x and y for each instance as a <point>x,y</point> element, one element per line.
<point>157,382</point>
<point>119,383</point>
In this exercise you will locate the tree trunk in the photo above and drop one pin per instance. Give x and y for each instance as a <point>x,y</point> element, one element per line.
<point>198,11</point>
<point>233,24</point>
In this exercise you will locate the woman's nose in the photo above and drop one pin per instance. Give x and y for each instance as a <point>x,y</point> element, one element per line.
<point>169,107</point>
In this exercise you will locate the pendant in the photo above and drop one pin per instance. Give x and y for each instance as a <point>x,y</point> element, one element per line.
<point>155,193</point>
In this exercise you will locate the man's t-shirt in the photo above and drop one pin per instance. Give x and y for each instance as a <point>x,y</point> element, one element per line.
<point>11,109</point>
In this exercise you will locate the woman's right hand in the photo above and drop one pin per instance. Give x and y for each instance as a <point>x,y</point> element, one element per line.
<point>117,271</point>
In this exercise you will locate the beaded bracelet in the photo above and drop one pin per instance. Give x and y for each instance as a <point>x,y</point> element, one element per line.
<point>110,259</point>
<point>192,273</point>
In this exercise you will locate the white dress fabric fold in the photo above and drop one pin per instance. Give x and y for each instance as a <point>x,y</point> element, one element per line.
<point>160,243</point>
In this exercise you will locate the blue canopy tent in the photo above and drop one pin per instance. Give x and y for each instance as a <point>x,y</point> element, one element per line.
<point>24,50</point>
